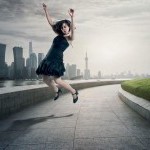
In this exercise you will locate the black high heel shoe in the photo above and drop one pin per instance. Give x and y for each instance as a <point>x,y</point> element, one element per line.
<point>58,93</point>
<point>75,99</point>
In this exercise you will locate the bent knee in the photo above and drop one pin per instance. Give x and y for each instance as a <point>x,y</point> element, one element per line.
<point>57,80</point>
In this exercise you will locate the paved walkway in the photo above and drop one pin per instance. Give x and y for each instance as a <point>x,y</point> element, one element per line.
<point>100,120</point>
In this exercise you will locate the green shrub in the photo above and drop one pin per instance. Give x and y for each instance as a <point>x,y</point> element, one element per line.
<point>138,87</point>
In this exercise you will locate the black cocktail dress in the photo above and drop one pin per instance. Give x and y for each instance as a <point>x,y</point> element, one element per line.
<point>52,64</point>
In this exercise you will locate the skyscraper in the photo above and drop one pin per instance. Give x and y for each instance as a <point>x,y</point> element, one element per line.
<point>18,62</point>
<point>86,71</point>
<point>33,65</point>
<point>33,60</point>
<point>78,72</point>
<point>86,62</point>
<point>30,48</point>
<point>73,70</point>
<point>67,71</point>
<point>99,74</point>
<point>3,65</point>
<point>11,71</point>
<point>28,62</point>
<point>40,57</point>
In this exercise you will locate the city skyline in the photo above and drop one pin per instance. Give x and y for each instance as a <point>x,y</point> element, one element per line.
<point>37,58</point>
<point>21,70</point>
<point>118,32</point>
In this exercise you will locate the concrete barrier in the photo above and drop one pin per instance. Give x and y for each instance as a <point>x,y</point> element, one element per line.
<point>16,98</point>
<point>140,105</point>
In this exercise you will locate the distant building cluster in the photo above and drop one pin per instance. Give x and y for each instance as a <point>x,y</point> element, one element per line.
<point>25,69</point>
<point>72,72</point>
<point>19,69</point>
<point>126,75</point>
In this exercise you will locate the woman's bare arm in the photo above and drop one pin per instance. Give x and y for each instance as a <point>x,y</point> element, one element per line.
<point>71,13</point>
<point>49,19</point>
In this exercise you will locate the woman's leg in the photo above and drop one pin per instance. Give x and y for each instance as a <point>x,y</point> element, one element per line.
<point>63,84</point>
<point>50,82</point>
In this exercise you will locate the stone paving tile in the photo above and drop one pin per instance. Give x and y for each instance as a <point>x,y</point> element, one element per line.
<point>88,132</point>
<point>55,145</point>
<point>111,117</point>
<point>36,136</point>
<point>146,142</point>
<point>55,123</point>
<point>114,131</point>
<point>102,131</point>
<point>129,123</point>
<point>60,135</point>
<point>86,144</point>
<point>5,125</point>
<point>33,111</point>
<point>65,110</point>
<point>8,137</point>
<point>26,147</point>
<point>87,110</point>
<point>121,109</point>
<point>16,125</point>
<point>87,122</point>
<point>92,122</point>
<point>121,143</point>
<point>29,123</point>
<point>141,132</point>
<point>128,115</point>
<point>93,115</point>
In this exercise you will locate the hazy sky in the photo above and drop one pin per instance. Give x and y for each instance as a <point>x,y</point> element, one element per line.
<point>115,33</point>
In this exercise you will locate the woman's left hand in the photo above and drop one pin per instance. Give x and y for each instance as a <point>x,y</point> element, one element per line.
<point>71,12</point>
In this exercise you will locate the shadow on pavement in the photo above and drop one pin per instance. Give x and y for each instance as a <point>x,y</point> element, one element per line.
<point>21,124</point>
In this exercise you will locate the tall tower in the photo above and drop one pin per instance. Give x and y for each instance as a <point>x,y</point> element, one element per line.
<point>86,71</point>
<point>30,48</point>
<point>86,62</point>
<point>33,65</point>
<point>40,57</point>
<point>3,67</point>
<point>18,62</point>
<point>72,71</point>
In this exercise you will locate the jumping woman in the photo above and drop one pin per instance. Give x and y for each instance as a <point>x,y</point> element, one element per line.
<point>52,67</point>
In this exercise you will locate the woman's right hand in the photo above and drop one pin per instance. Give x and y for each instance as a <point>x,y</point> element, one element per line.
<point>44,6</point>
<point>71,12</point>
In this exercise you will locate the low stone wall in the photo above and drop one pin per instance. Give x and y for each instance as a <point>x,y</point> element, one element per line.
<point>16,98</point>
<point>138,104</point>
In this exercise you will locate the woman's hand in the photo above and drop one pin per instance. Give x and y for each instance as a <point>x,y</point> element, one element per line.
<point>44,6</point>
<point>71,12</point>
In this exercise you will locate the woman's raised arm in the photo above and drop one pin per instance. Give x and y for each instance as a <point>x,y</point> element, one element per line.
<point>71,13</point>
<point>49,19</point>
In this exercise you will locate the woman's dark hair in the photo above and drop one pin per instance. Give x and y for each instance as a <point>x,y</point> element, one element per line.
<point>58,25</point>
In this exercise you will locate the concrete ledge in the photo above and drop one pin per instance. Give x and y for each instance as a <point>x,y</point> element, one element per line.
<point>16,98</point>
<point>138,104</point>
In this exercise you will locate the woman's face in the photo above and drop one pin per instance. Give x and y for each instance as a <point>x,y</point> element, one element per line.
<point>65,28</point>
